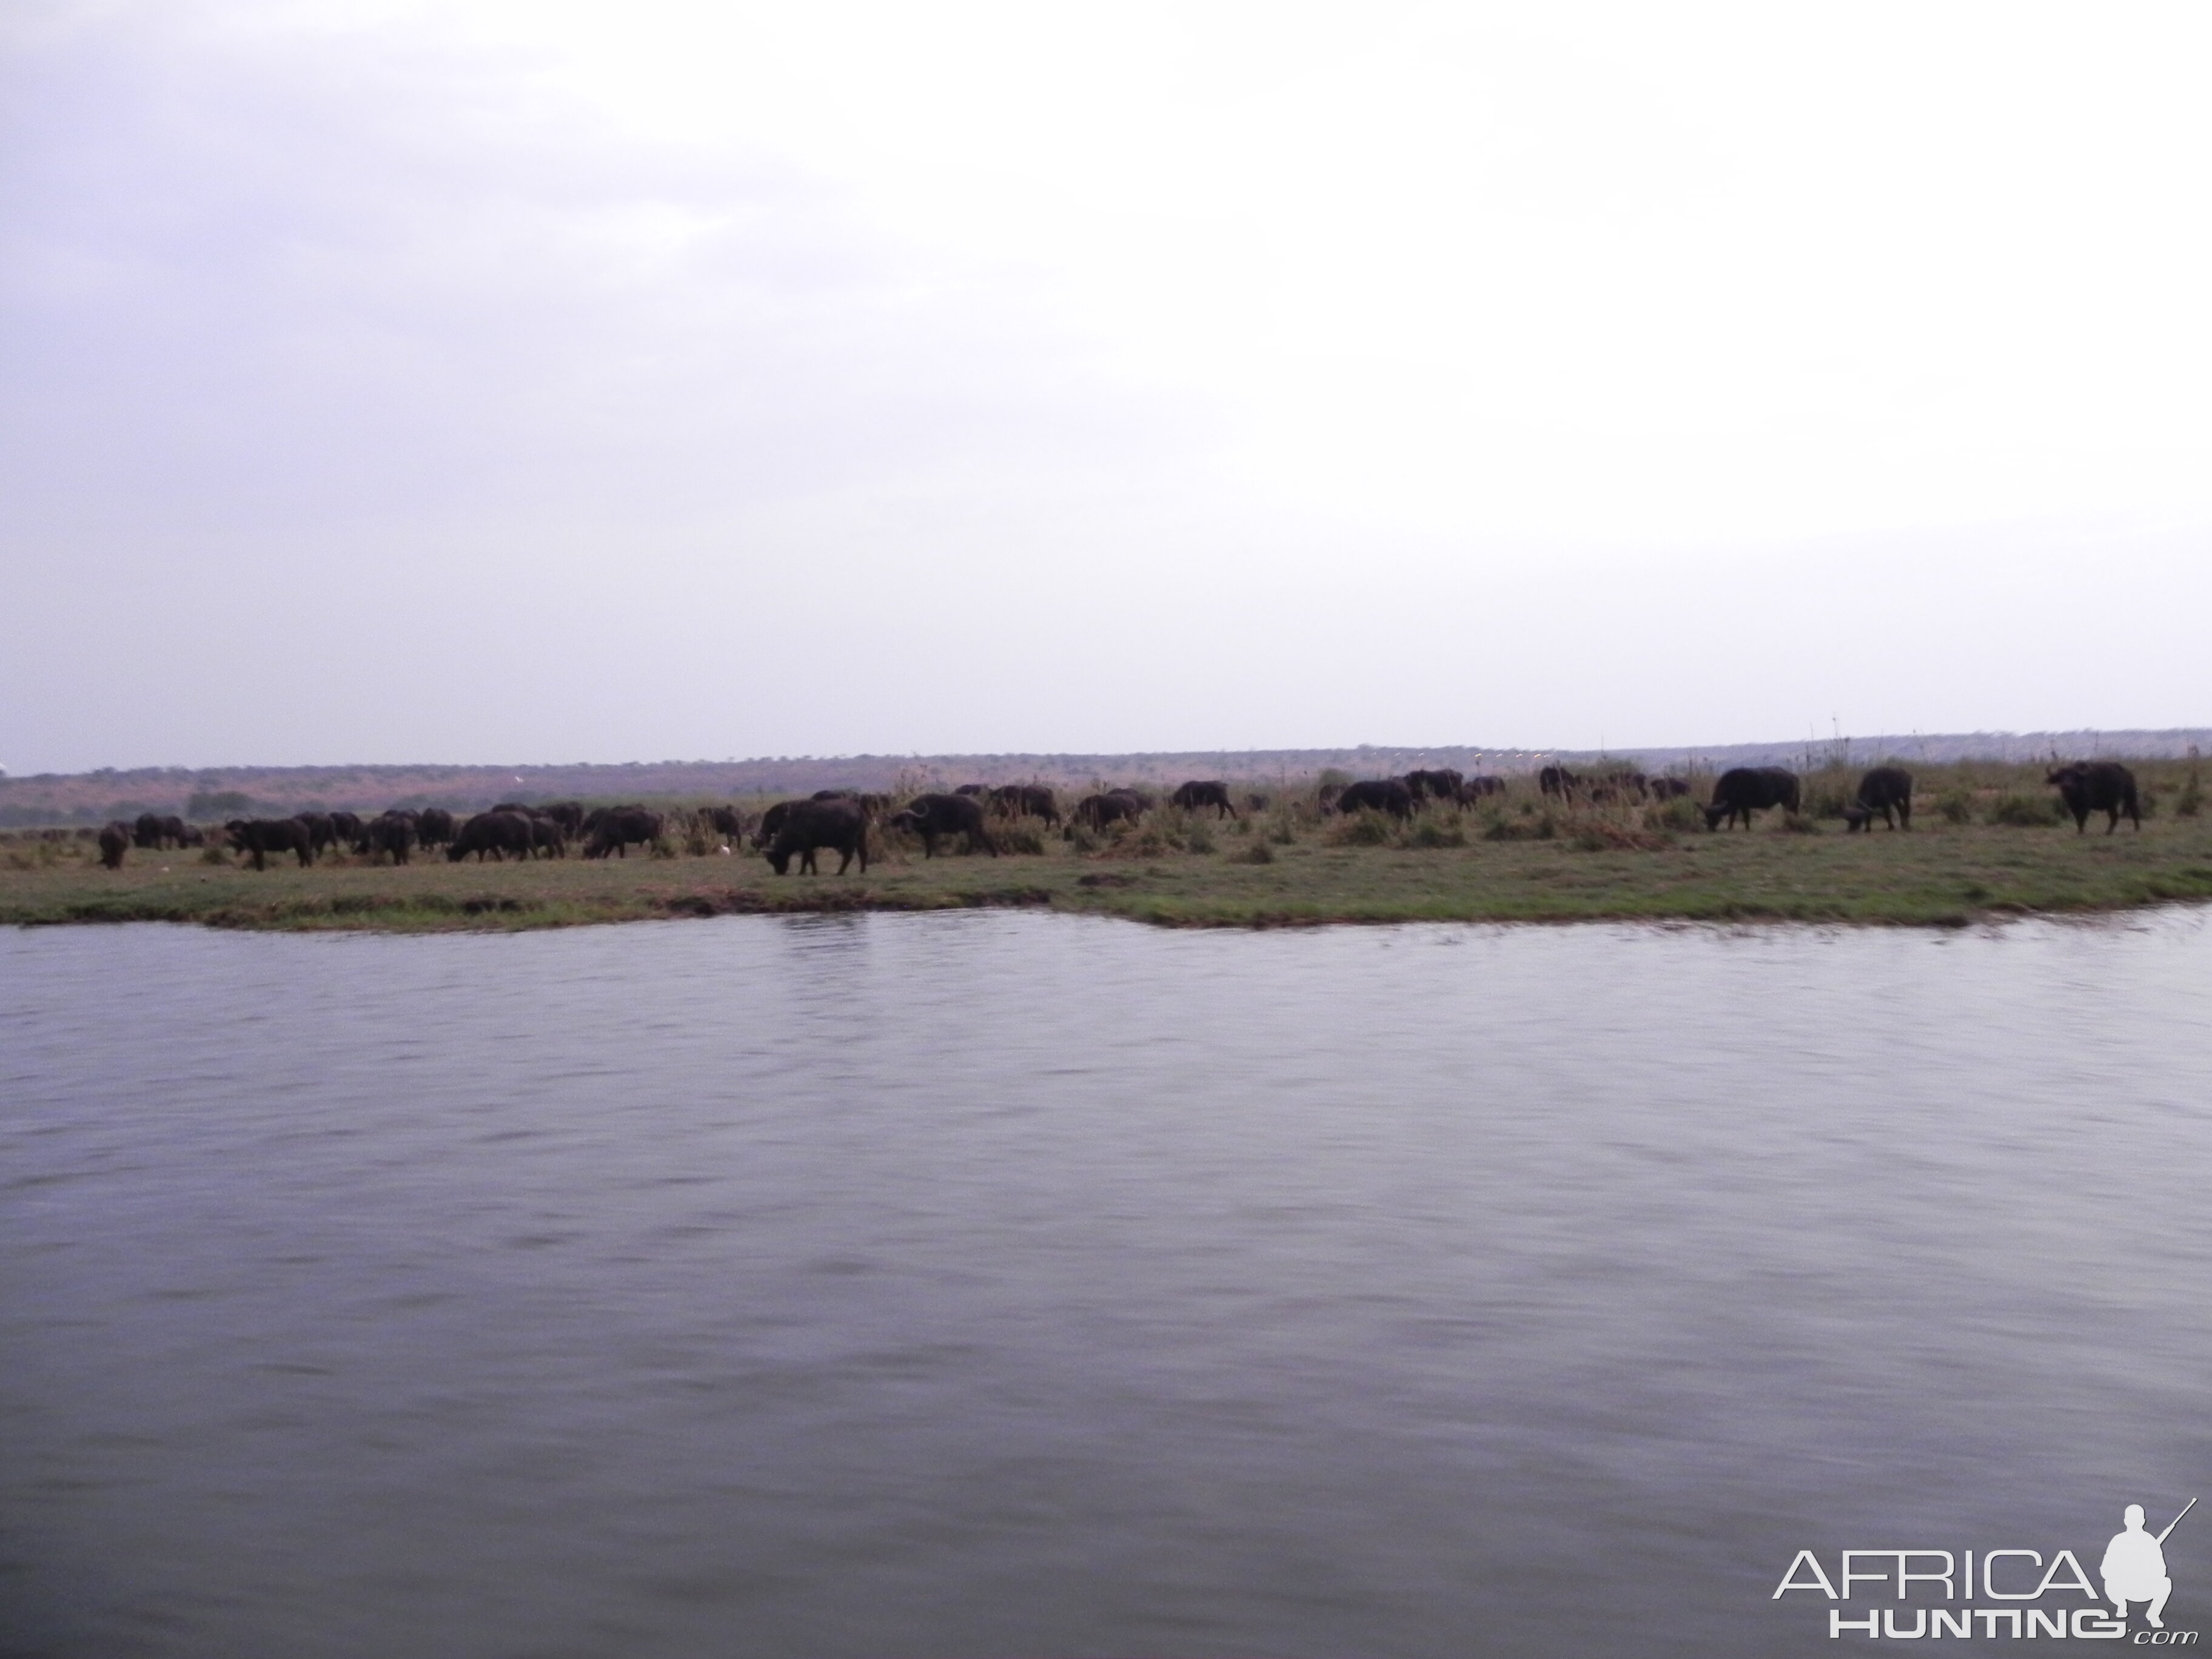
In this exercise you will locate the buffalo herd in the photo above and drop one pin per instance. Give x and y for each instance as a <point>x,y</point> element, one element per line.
<point>840,819</point>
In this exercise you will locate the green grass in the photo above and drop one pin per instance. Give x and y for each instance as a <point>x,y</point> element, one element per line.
<point>1939,874</point>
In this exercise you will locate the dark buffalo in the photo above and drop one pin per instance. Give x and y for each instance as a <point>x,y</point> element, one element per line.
<point>872,807</point>
<point>1145,798</point>
<point>1436,783</point>
<point>1377,795</point>
<point>1557,780</point>
<point>114,842</point>
<point>1031,801</point>
<point>1742,790</point>
<point>547,837</point>
<point>568,814</point>
<point>392,833</point>
<point>321,834</point>
<point>1482,785</point>
<point>434,826</point>
<point>2104,786</point>
<point>725,821</point>
<point>348,827</point>
<point>1669,788</point>
<point>261,837</point>
<point>931,815</point>
<point>1884,790</point>
<point>1199,792</point>
<point>151,831</point>
<point>613,828</point>
<point>809,825</point>
<point>495,833</point>
<point>771,822</point>
<point>973,789</point>
<point>1097,811</point>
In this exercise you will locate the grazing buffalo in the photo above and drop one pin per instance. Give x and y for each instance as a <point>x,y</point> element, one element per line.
<point>1480,785</point>
<point>1378,795</point>
<point>347,826</point>
<point>771,822</point>
<point>1202,792</point>
<point>321,834</point>
<point>151,831</point>
<point>1114,807</point>
<point>547,837</point>
<point>114,842</point>
<point>261,837</point>
<point>1559,781</point>
<point>392,833</point>
<point>613,828</point>
<point>725,821</point>
<point>1436,783</point>
<point>2104,786</point>
<point>1742,790</point>
<point>495,833</point>
<point>931,815</point>
<point>1669,788</point>
<point>1026,800</point>
<point>434,826</point>
<point>1609,787</point>
<point>1145,798</point>
<point>808,825</point>
<point>1884,790</point>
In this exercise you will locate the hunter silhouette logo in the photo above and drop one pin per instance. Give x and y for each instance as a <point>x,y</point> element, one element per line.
<point>2133,1571</point>
<point>2134,1568</point>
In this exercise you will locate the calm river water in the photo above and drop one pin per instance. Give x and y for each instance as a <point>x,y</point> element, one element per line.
<point>998,1283</point>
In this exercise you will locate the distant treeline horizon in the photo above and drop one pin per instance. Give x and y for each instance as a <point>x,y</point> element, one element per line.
<point>211,792</point>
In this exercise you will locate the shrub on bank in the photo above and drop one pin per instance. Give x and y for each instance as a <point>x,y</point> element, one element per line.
<point>2026,811</point>
<point>1525,825</point>
<point>1364,828</point>
<point>1436,830</point>
<point>1605,835</point>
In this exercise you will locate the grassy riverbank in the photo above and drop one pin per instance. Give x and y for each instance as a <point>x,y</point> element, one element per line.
<point>1181,874</point>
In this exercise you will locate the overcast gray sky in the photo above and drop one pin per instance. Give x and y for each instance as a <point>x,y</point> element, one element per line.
<point>544,382</point>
